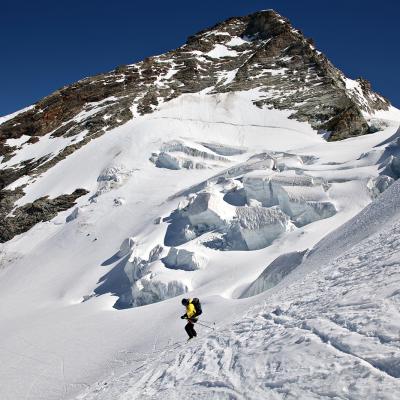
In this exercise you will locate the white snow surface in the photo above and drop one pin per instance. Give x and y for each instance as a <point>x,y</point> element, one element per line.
<point>221,51</point>
<point>329,329</point>
<point>332,333</point>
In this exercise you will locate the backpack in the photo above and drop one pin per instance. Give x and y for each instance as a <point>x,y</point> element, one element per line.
<point>197,306</point>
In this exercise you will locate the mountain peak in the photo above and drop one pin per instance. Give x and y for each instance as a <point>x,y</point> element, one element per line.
<point>260,53</point>
<point>267,23</point>
<point>259,25</point>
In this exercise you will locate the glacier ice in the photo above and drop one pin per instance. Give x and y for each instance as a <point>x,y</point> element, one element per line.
<point>274,273</point>
<point>111,178</point>
<point>150,290</point>
<point>234,193</point>
<point>392,167</point>
<point>147,284</point>
<point>184,259</point>
<point>74,215</point>
<point>300,196</point>
<point>178,146</point>
<point>289,162</point>
<point>177,155</point>
<point>138,264</point>
<point>259,226</point>
<point>304,204</point>
<point>126,247</point>
<point>155,253</point>
<point>264,186</point>
<point>209,211</point>
<point>379,184</point>
<point>175,162</point>
<point>224,150</point>
<point>238,228</point>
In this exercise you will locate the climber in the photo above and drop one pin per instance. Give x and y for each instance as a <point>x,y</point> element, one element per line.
<point>193,310</point>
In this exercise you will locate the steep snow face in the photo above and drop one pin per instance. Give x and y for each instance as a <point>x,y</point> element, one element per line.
<point>275,273</point>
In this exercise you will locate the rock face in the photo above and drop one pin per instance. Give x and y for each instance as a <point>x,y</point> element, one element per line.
<point>260,52</point>
<point>43,209</point>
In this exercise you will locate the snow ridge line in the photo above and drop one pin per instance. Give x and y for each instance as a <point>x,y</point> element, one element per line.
<point>227,123</point>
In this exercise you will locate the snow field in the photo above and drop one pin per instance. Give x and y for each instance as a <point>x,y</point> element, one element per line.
<point>331,334</point>
<point>62,282</point>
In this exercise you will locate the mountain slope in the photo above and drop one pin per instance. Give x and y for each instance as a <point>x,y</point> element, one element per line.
<point>330,334</point>
<point>184,175</point>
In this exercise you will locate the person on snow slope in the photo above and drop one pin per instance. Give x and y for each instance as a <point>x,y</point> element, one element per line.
<point>191,315</point>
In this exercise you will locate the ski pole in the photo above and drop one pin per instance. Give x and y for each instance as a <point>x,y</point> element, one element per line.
<point>208,322</point>
<point>209,327</point>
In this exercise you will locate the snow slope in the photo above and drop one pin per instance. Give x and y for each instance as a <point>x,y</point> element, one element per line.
<point>332,333</point>
<point>66,284</point>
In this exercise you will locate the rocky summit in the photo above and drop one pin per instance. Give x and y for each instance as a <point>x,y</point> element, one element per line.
<point>261,51</point>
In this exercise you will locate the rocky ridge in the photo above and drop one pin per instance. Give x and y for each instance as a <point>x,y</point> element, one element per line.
<point>261,51</point>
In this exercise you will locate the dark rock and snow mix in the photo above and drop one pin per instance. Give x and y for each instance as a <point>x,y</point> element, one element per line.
<point>216,171</point>
<point>260,52</point>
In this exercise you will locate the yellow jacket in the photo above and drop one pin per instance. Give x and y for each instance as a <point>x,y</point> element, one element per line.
<point>190,309</point>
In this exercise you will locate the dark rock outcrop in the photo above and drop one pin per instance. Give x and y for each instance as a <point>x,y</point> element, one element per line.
<point>25,217</point>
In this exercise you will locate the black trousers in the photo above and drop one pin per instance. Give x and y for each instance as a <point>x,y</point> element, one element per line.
<point>189,328</point>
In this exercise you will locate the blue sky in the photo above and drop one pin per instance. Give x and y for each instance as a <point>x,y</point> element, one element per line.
<point>45,45</point>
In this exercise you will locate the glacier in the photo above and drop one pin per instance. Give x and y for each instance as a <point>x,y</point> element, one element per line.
<point>73,267</point>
